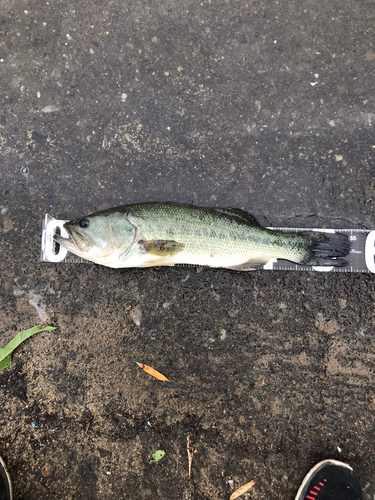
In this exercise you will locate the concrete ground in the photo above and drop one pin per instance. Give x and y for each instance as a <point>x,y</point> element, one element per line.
<point>266,106</point>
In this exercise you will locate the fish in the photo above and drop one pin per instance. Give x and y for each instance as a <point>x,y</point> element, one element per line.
<point>167,233</point>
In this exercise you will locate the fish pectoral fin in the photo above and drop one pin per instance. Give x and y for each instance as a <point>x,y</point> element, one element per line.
<point>161,248</point>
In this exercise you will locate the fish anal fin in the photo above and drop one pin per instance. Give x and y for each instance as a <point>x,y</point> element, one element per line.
<point>161,248</point>
<point>158,261</point>
<point>247,266</point>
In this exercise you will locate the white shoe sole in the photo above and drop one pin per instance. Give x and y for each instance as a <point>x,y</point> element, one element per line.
<point>8,477</point>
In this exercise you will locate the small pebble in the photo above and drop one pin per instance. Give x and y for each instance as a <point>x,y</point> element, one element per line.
<point>50,108</point>
<point>136,315</point>
<point>342,303</point>
<point>328,326</point>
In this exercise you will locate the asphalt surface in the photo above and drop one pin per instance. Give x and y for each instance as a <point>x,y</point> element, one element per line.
<point>266,106</point>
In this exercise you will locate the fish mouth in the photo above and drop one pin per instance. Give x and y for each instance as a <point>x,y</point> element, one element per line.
<point>71,243</point>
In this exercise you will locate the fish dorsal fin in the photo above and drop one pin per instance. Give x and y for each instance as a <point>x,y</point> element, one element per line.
<point>243,215</point>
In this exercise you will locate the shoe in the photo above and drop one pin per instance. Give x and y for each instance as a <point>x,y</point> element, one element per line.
<point>5,484</point>
<point>330,480</point>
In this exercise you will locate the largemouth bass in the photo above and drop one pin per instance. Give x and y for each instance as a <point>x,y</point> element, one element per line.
<point>164,234</point>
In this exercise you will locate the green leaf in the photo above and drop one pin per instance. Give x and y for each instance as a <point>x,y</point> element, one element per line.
<point>6,362</point>
<point>6,352</point>
<point>158,455</point>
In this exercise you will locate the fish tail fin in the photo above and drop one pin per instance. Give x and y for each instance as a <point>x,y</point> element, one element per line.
<point>327,249</point>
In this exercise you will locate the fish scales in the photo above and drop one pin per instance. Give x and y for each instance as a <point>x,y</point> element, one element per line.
<point>234,244</point>
<point>157,233</point>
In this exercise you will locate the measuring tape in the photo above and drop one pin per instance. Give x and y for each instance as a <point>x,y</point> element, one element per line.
<point>360,260</point>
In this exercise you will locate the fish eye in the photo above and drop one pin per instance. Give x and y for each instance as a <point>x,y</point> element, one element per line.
<point>84,223</point>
